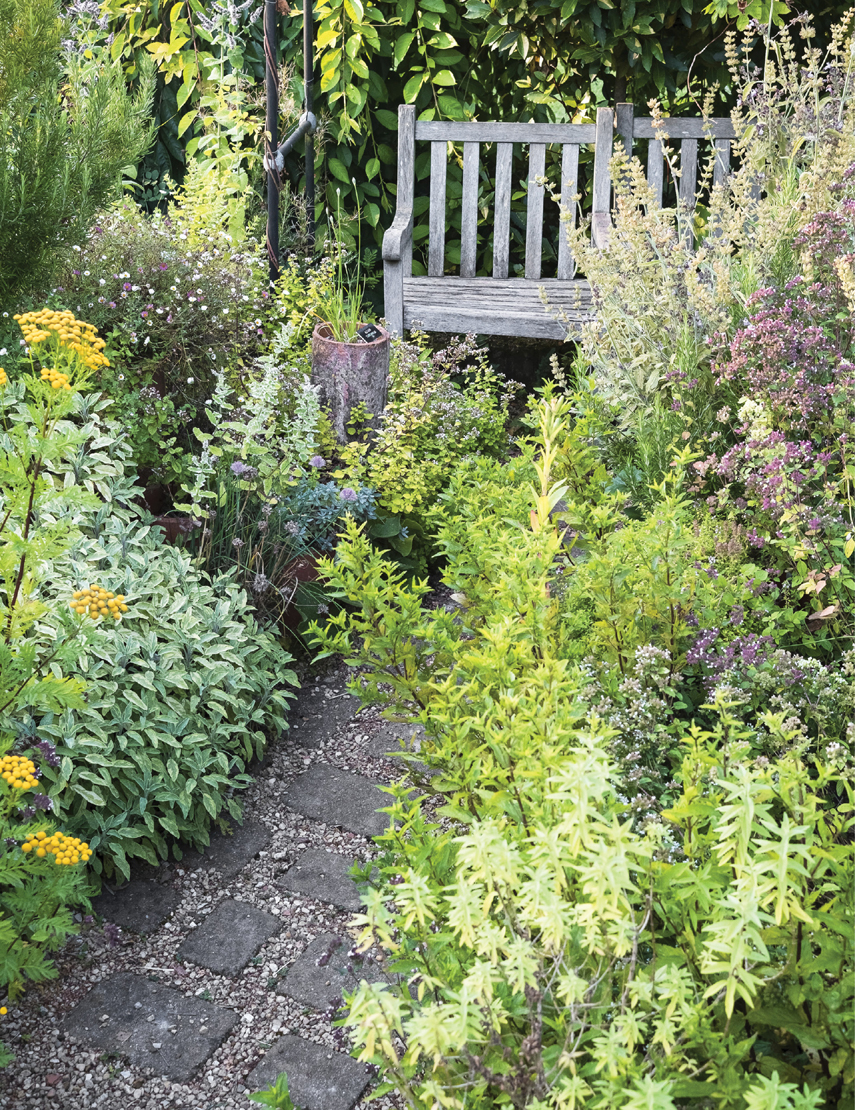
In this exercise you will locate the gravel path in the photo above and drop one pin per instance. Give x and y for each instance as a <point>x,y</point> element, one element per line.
<point>57,1064</point>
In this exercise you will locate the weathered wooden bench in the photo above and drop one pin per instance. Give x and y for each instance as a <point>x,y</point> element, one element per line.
<point>503,305</point>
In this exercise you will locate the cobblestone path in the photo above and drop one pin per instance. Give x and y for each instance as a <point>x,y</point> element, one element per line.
<point>228,964</point>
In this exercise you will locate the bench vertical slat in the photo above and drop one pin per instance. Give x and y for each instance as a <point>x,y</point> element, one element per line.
<point>502,213</point>
<point>721,167</point>
<point>469,210</point>
<point>534,211</point>
<point>436,240</point>
<point>601,214</point>
<point>569,189</point>
<point>655,169</point>
<point>624,118</point>
<point>688,171</point>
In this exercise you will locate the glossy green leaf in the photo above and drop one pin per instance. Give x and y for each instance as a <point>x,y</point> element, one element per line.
<point>402,45</point>
<point>412,87</point>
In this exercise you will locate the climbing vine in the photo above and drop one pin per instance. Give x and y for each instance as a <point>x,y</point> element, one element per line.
<point>554,60</point>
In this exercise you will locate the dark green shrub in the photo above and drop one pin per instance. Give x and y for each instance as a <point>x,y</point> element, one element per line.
<point>67,128</point>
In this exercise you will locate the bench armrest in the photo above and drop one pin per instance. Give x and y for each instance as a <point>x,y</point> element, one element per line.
<point>398,237</point>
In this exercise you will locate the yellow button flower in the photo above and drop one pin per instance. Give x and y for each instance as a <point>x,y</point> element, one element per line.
<point>98,602</point>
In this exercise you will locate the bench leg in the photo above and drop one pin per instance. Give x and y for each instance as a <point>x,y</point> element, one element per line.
<point>393,293</point>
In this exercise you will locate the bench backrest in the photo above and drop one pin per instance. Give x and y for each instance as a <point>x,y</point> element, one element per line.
<point>504,135</point>
<point>621,126</point>
<point>538,136</point>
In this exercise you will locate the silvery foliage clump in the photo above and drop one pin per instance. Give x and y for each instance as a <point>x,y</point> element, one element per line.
<point>226,20</point>
<point>81,18</point>
<point>182,695</point>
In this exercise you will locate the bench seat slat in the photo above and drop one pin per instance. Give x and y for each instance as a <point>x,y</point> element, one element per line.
<point>502,213</point>
<point>489,307</point>
<point>469,210</point>
<point>436,235</point>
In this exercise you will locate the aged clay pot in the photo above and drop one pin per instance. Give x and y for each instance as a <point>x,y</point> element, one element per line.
<point>348,373</point>
<point>175,527</point>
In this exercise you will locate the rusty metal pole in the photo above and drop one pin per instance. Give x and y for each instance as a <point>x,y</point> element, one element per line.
<point>308,108</point>
<point>273,160</point>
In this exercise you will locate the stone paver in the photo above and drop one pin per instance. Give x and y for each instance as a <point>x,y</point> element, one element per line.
<point>140,906</point>
<point>339,798</point>
<point>229,937</point>
<point>317,1078</point>
<point>154,1026</point>
<point>318,711</point>
<point>392,739</point>
<point>324,970</point>
<point>324,876</point>
<point>230,854</point>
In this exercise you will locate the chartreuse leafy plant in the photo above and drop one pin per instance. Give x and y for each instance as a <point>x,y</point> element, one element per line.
<point>559,958</point>
<point>41,868</point>
<point>276,1095</point>
<point>182,695</point>
<point>42,874</point>
<point>443,407</point>
<point>557,950</point>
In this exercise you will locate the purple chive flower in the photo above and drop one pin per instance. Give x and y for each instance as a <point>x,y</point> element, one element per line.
<point>348,494</point>
<point>317,462</point>
<point>112,934</point>
<point>42,801</point>
<point>47,752</point>
<point>241,470</point>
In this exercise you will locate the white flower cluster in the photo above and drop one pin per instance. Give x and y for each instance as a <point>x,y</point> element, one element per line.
<point>754,414</point>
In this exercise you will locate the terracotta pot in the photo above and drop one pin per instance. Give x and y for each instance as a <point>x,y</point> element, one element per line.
<point>176,527</point>
<point>157,499</point>
<point>348,373</point>
<point>304,569</point>
<point>153,496</point>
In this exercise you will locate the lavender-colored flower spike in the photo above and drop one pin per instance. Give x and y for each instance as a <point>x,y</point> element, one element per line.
<point>47,752</point>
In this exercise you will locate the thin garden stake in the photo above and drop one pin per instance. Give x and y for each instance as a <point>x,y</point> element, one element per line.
<point>272,163</point>
<point>274,154</point>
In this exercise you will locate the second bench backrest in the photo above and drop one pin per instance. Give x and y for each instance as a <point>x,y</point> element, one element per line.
<point>688,134</point>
